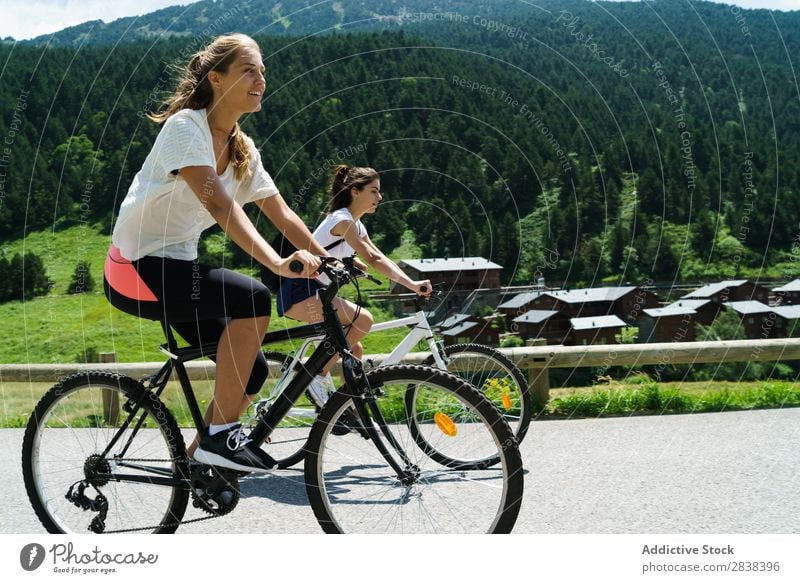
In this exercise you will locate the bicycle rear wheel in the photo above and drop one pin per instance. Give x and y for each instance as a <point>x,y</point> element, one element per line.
<point>494,375</point>
<point>64,454</point>
<point>353,488</point>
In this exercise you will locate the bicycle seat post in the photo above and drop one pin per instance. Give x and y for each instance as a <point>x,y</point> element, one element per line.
<point>172,344</point>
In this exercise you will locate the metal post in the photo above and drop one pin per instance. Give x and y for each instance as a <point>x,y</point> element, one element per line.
<point>110,398</point>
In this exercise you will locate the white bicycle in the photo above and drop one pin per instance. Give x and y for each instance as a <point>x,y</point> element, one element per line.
<point>486,368</point>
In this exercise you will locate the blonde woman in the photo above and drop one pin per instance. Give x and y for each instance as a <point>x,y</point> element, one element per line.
<point>201,170</point>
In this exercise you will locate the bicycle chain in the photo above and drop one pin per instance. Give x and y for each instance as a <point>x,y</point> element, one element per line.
<point>178,523</point>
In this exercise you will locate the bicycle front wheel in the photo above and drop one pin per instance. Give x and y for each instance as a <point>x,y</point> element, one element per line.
<point>353,487</point>
<point>77,441</point>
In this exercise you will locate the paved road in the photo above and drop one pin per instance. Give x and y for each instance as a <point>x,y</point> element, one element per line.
<point>703,473</point>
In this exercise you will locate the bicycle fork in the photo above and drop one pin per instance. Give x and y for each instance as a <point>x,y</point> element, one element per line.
<point>365,404</point>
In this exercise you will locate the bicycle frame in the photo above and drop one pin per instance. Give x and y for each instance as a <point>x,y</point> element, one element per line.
<point>333,340</point>
<point>421,331</point>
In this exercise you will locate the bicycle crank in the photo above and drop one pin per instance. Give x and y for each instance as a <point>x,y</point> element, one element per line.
<point>214,490</point>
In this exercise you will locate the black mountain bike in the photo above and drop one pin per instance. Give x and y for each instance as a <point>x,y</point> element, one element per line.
<point>397,449</point>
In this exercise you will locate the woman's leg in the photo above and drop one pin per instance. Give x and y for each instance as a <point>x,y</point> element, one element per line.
<point>310,310</point>
<point>205,305</point>
<point>211,331</point>
<point>238,347</point>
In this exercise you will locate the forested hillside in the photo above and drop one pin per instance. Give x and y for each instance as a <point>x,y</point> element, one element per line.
<point>577,141</point>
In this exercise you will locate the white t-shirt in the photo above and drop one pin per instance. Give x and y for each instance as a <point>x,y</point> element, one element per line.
<point>324,236</point>
<point>161,215</point>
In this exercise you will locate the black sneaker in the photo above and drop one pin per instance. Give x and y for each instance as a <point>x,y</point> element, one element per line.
<point>234,450</point>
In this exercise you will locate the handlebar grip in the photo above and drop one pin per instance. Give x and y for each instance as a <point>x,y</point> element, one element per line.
<point>423,288</point>
<point>296,267</point>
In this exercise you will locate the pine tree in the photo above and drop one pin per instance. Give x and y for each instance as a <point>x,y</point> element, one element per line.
<point>82,280</point>
<point>28,277</point>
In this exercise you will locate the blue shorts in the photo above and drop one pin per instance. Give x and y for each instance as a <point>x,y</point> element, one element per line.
<point>295,290</point>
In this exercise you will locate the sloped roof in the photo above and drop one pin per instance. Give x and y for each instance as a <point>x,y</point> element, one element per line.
<point>714,288</point>
<point>535,316</point>
<point>456,330</point>
<point>451,321</point>
<point>450,264</point>
<point>520,300</point>
<point>671,310</point>
<point>792,286</point>
<point>788,312</point>
<point>749,307</point>
<point>593,294</point>
<point>679,308</point>
<point>590,323</point>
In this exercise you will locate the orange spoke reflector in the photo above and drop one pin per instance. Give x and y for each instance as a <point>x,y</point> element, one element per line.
<point>506,402</point>
<point>445,424</point>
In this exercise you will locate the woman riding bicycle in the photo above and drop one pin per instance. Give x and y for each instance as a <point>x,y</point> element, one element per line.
<point>201,169</point>
<point>354,192</point>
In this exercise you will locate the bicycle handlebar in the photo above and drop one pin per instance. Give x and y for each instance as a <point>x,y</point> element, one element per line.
<point>341,276</point>
<point>337,274</point>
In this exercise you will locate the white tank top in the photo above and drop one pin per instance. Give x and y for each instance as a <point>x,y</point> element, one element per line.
<point>324,237</point>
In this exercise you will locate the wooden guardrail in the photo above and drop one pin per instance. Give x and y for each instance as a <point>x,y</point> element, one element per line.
<point>536,360</point>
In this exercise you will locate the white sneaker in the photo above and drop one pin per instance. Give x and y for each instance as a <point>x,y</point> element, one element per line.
<point>320,389</point>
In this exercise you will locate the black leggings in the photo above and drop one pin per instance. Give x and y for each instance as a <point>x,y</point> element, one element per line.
<point>198,302</point>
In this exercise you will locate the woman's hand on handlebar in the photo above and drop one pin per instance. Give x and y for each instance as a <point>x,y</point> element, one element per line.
<point>288,267</point>
<point>422,288</point>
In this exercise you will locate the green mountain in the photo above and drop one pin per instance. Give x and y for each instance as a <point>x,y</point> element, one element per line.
<point>266,17</point>
<point>579,141</point>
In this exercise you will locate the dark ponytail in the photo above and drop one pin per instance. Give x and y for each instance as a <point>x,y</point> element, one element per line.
<point>343,178</point>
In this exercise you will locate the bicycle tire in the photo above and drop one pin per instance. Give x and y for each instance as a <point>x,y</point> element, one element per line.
<point>497,377</point>
<point>352,488</point>
<point>69,428</point>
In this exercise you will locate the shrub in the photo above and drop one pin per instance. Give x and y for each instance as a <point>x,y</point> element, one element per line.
<point>511,341</point>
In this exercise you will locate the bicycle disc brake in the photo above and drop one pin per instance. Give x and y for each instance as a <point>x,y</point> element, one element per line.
<point>214,490</point>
